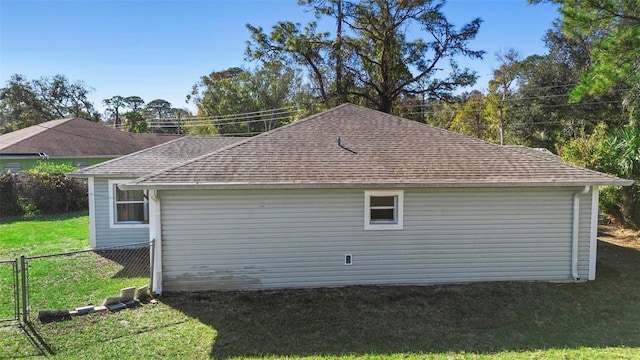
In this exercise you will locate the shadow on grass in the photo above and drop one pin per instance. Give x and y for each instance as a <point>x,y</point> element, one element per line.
<point>134,262</point>
<point>27,341</point>
<point>38,340</point>
<point>474,318</point>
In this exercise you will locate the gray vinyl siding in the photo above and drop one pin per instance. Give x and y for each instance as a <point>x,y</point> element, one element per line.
<point>262,239</point>
<point>107,236</point>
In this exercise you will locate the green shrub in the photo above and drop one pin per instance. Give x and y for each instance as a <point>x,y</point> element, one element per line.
<point>9,205</point>
<point>35,193</point>
<point>47,167</point>
<point>52,193</point>
<point>617,153</point>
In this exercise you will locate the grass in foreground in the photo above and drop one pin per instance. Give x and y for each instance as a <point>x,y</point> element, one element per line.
<point>599,319</point>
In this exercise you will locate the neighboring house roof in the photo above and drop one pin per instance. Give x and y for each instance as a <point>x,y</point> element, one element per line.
<point>355,146</point>
<point>76,137</point>
<point>157,158</point>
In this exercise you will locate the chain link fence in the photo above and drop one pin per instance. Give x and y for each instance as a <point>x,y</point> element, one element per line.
<point>67,281</point>
<point>9,291</point>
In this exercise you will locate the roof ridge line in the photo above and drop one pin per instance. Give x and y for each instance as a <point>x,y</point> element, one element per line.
<point>59,122</point>
<point>239,143</point>
<point>108,162</point>
<point>39,129</point>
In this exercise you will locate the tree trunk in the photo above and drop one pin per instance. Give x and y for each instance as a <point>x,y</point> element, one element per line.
<point>340,88</point>
<point>385,104</point>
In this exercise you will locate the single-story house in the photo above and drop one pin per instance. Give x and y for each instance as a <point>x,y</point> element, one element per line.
<point>120,217</point>
<point>73,141</point>
<point>353,196</point>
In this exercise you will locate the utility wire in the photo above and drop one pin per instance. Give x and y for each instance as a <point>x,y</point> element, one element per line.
<point>228,119</point>
<point>209,123</point>
<point>286,113</point>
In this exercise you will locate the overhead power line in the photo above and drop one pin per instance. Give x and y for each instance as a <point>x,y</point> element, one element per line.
<point>248,118</point>
<point>291,109</point>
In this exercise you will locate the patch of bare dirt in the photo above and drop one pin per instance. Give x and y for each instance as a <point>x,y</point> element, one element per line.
<point>618,235</point>
<point>618,252</point>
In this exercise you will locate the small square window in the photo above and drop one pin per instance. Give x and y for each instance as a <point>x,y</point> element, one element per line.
<point>383,210</point>
<point>128,207</point>
<point>131,206</point>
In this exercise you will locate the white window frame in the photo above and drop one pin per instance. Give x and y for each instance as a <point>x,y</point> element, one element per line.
<point>399,206</point>
<point>112,208</point>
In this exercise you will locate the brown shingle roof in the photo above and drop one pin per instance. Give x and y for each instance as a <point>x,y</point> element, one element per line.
<point>157,158</point>
<point>76,137</point>
<point>377,149</point>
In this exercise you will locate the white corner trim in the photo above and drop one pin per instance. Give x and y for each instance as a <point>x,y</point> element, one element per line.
<point>575,232</point>
<point>155,235</point>
<point>367,209</point>
<point>112,212</point>
<point>593,240</point>
<point>92,211</point>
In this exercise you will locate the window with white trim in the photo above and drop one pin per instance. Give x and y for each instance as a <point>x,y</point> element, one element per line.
<point>128,207</point>
<point>383,209</point>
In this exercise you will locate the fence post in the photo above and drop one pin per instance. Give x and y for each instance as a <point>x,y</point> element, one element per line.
<point>23,272</point>
<point>16,289</point>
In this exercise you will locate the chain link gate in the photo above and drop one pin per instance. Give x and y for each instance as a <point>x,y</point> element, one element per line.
<point>67,281</point>
<point>50,281</point>
<point>9,291</point>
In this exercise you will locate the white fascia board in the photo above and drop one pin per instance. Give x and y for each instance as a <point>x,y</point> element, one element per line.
<point>118,175</point>
<point>300,185</point>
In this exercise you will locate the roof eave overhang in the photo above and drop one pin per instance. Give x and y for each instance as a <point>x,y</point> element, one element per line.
<point>80,156</point>
<point>57,156</point>
<point>121,175</point>
<point>322,185</point>
<point>18,155</point>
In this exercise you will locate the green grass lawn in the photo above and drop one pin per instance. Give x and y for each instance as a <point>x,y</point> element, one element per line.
<point>509,320</point>
<point>43,235</point>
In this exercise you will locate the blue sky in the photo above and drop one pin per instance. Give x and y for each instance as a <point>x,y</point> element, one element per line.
<point>160,48</point>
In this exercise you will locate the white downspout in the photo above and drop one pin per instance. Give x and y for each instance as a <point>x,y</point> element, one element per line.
<point>155,234</point>
<point>593,241</point>
<point>575,232</point>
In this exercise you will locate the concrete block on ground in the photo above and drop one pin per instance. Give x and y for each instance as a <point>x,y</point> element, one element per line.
<point>111,300</point>
<point>142,293</point>
<point>116,307</point>
<point>100,309</point>
<point>52,314</point>
<point>84,309</point>
<point>127,294</point>
<point>132,303</point>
